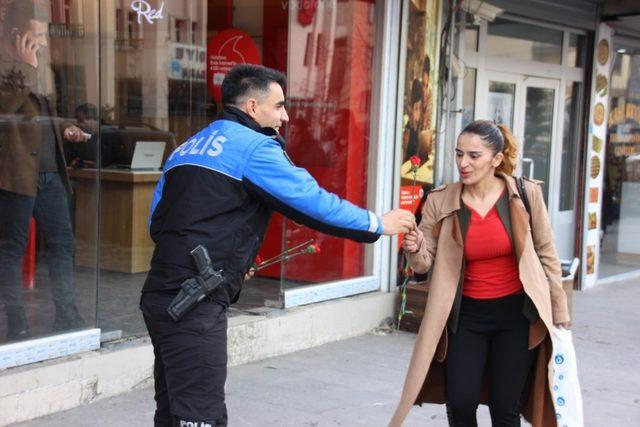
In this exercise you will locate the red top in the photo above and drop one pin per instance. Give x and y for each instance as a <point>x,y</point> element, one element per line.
<point>491,270</point>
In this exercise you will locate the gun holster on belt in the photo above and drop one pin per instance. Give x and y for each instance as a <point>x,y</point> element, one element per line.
<point>195,289</point>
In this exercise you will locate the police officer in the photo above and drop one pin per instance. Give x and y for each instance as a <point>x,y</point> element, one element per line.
<point>218,190</point>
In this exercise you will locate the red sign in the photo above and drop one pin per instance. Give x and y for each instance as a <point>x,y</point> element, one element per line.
<point>226,49</point>
<point>410,196</point>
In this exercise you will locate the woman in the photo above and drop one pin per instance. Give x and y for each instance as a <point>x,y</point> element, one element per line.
<point>495,291</point>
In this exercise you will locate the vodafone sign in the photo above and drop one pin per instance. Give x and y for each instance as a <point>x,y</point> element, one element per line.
<point>226,49</point>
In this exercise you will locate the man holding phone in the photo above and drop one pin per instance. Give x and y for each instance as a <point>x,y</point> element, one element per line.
<point>33,173</point>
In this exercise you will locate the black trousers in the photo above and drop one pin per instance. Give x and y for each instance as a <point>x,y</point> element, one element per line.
<point>190,367</point>
<point>51,210</point>
<point>495,333</point>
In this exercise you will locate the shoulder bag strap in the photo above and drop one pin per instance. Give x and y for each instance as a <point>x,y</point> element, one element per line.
<point>525,198</point>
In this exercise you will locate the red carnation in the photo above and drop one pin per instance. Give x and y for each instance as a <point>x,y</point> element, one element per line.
<point>415,161</point>
<point>313,249</point>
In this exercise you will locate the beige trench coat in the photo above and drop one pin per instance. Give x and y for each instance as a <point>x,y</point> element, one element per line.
<point>442,250</point>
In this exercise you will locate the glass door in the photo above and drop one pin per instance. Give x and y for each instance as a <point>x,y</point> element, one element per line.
<point>537,130</point>
<point>548,153</point>
<point>529,106</point>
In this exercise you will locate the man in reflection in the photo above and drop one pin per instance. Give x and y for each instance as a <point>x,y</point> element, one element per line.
<point>427,96</point>
<point>410,137</point>
<point>218,190</point>
<point>33,174</point>
<point>425,136</point>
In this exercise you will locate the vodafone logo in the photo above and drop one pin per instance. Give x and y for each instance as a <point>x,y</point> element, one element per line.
<point>225,50</point>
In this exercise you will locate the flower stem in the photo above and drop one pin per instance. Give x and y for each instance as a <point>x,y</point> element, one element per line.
<point>406,271</point>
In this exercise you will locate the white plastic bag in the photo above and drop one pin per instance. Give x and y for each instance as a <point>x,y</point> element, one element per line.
<point>565,387</point>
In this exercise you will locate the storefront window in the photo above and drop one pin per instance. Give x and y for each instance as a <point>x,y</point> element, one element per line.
<point>329,69</point>
<point>620,249</point>
<point>48,129</point>
<point>137,78</point>
<point>325,49</point>
<point>516,40</point>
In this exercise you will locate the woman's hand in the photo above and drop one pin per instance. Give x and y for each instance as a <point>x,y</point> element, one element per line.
<point>412,240</point>
<point>564,325</point>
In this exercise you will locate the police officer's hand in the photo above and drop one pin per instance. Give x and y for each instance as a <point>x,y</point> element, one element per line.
<point>249,274</point>
<point>398,221</point>
<point>412,240</point>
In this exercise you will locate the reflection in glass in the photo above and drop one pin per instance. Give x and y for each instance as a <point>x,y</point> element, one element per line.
<point>538,131</point>
<point>570,144</point>
<point>516,40</point>
<point>153,93</point>
<point>468,96</point>
<point>620,215</point>
<point>501,102</point>
<point>330,106</point>
<point>126,81</point>
<point>41,290</point>
<point>157,91</point>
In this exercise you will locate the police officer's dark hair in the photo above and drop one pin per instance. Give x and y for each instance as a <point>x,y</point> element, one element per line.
<point>19,13</point>
<point>416,92</point>
<point>245,79</point>
<point>498,138</point>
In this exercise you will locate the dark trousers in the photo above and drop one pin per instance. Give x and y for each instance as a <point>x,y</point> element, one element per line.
<point>50,208</point>
<point>491,334</point>
<point>190,367</point>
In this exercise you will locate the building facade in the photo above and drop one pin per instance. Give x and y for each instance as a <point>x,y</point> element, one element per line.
<point>135,74</point>
<point>562,86</point>
<point>370,84</point>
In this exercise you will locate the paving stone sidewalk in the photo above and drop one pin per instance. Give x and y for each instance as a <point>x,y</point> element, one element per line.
<point>357,382</point>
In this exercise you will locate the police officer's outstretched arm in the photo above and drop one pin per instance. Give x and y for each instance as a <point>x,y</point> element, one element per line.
<point>270,176</point>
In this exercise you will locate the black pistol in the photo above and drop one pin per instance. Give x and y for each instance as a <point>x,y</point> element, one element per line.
<point>194,289</point>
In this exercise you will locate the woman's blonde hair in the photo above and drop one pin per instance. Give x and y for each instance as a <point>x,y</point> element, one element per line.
<point>499,139</point>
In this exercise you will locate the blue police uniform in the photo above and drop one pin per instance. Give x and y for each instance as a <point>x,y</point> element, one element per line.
<point>218,189</point>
